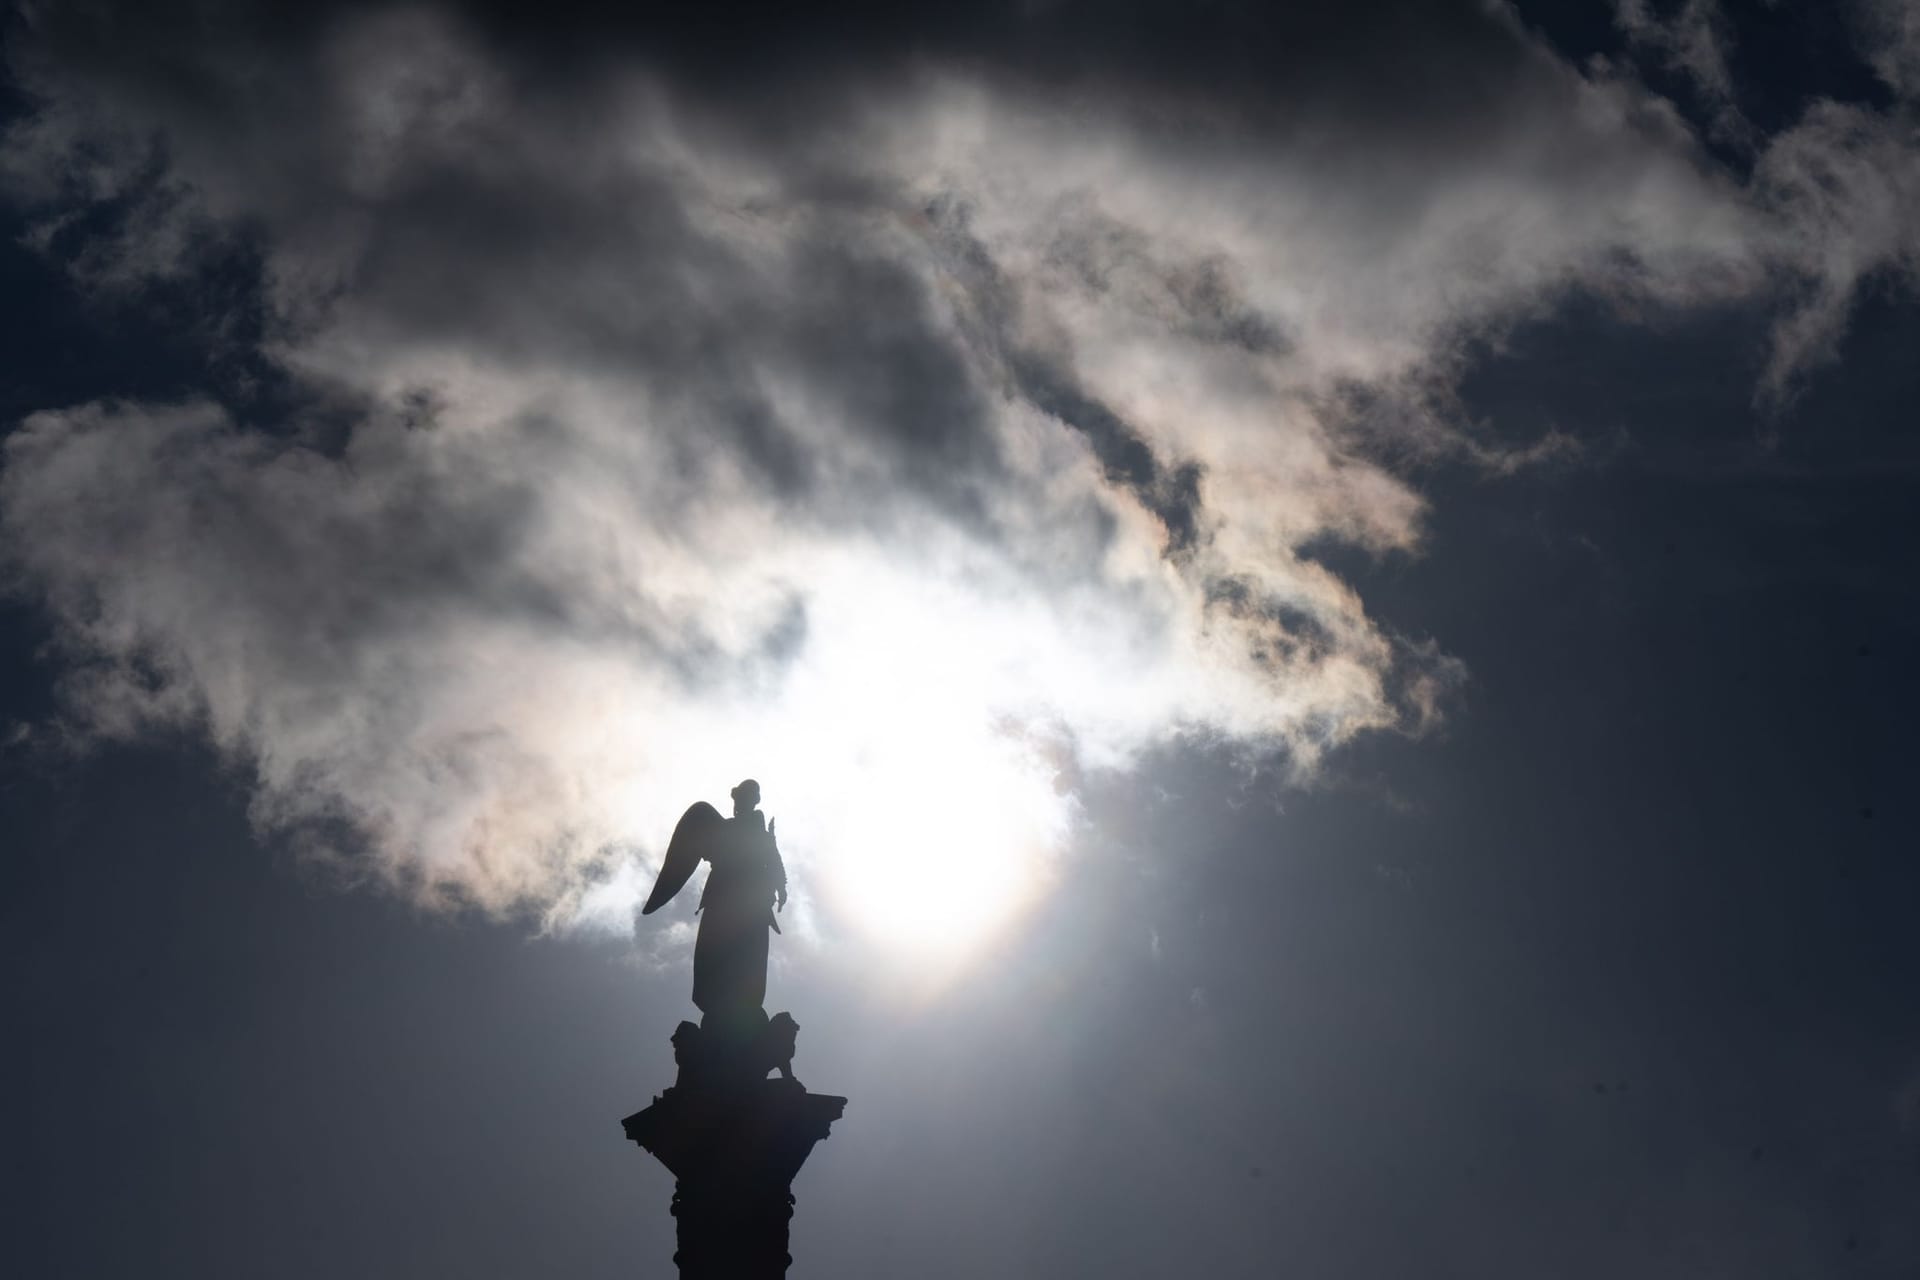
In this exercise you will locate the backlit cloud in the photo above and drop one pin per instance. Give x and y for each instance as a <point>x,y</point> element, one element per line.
<point>916,433</point>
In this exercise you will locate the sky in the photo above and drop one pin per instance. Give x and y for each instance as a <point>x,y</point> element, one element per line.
<point>1323,601</point>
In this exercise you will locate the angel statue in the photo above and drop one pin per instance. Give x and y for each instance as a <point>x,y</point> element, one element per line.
<point>736,907</point>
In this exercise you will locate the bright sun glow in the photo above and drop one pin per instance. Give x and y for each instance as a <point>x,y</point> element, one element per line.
<point>944,837</point>
<point>931,812</point>
<point>905,758</point>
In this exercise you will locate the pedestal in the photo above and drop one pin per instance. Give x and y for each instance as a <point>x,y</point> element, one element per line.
<point>733,1141</point>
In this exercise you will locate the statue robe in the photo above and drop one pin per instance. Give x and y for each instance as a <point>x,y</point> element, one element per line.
<point>736,911</point>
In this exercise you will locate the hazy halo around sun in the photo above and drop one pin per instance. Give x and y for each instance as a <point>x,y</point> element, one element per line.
<point>908,758</point>
<point>919,747</point>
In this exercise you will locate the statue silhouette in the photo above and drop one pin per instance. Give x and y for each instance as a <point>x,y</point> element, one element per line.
<point>732,1138</point>
<point>736,908</point>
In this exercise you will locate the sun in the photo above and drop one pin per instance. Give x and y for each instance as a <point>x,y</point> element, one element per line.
<point>932,811</point>
<point>910,757</point>
<point>948,844</point>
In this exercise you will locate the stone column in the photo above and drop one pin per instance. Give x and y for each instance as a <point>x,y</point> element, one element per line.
<point>733,1140</point>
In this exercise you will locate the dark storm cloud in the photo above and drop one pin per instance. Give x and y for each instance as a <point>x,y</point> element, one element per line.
<point>638,371</point>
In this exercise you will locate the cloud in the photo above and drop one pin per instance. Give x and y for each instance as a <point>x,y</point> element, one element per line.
<point>1693,41</point>
<point>911,418</point>
<point>1890,31</point>
<point>1844,182</point>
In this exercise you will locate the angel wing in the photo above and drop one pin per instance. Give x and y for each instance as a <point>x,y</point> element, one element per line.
<point>691,840</point>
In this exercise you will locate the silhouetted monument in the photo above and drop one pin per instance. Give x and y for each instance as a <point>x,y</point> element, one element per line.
<point>732,1138</point>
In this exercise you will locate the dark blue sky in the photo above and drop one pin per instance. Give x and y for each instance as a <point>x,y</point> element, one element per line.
<point>1609,972</point>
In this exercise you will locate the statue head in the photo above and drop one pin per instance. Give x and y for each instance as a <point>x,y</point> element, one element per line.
<point>746,797</point>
